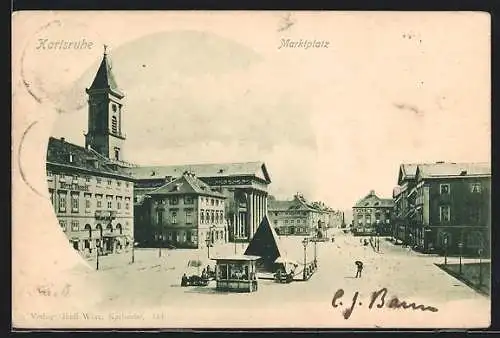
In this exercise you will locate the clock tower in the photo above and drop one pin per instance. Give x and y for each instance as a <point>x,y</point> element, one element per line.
<point>105,113</point>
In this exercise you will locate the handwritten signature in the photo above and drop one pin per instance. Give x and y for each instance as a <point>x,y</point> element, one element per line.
<point>378,299</point>
<point>48,290</point>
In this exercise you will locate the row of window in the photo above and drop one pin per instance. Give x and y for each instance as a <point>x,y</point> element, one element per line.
<point>76,178</point>
<point>174,200</point>
<point>208,216</point>
<point>292,221</point>
<point>118,201</point>
<point>75,226</point>
<point>369,211</point>
<point>475,187</point>
<point>368,220</point>
<point>474,214</point>
<point>290,213</point>
<point>211,201</point>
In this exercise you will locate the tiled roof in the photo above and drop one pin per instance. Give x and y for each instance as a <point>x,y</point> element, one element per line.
<point>454,169</point>
<point>298,203</point>
<point>104,78</point>
<point>186,184</point>
<point>59,151</point>
<point>202,170</point>
<point>372,200</point>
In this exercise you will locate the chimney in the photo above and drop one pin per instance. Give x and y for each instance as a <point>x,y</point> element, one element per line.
<point>463,173</point>
<point>372,192</point>
<point>63,139</point>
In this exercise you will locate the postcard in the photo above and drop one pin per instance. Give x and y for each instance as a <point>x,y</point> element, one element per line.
<point>269,169</point>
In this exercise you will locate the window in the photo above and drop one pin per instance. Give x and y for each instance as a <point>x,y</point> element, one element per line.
<point>118,183</point>
<point>174,217</point>
<point>217,217</point>
<point>52,198</point>
<point>74,202</point>
<point>474,215</point>
<point>87,179</point>
<point>217,203</point>
<point>63,225</point>
<point>126,184</point>
<point>202,216</point>
<point>110,202</point>
<point>368,219</point>
<point>275,222</point>
<point>114,124</point>
<point>475,188</point>
<point>99,201</point>
<point>188,200</point>
<point>286,221</point>
<point>444,189</point>
<point>174,200</point>
<point>444,213</point>
<point>118,202</point>
<point>62,202</point>
<point>212,201</point>
<point>75,178</point>
<point>207,216</point>
<point>189,216</point>
<point>74,226</point>
<point>127,203</point>
<point>292,221</point>
<point>117,153</point>
<point>87,201</point>
<point>98,180</point>
<point>159,217</point>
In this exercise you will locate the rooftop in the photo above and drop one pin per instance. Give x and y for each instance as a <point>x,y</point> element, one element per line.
<point>373,201</point>
<point>63,153</point>
<point>257,169</point>
<point>186,184</point>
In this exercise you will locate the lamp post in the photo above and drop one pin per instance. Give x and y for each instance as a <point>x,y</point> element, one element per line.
<point>445,250</point>
<point>304,243</point>
<point>133,251</point>
<point>98,245</point>
<point>207,241</point>
<point>460,246</point>
<point>480,253</point>
<point>160,238</point>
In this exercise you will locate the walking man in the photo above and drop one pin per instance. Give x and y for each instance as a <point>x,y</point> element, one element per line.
<point>359,268</point>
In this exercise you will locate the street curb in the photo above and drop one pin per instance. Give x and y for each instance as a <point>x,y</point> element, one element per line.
<point>465,281</point>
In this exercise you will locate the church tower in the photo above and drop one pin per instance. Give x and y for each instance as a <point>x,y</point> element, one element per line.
<point>105,113</point>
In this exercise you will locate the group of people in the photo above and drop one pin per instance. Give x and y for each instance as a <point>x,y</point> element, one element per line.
<point>206,274</point>
<point>309,269</point>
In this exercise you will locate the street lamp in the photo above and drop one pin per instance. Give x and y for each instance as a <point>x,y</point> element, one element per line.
<point>98,245</point>
<point>460,246</point>
<point>445,250</point>
<point>160,238</point>
<point>480,253</point>
<point>207,241</point>
<point>305,241</point>
<point>133,251</point>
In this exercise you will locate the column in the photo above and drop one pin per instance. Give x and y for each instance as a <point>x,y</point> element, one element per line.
<point>249,212</point>
<point>235,223</point>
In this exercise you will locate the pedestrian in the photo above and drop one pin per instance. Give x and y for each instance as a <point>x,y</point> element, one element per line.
<point>184,280</point>
<point>359,268</point>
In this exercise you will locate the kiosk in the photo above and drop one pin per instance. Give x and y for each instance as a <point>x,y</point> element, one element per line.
<point>236,273</point>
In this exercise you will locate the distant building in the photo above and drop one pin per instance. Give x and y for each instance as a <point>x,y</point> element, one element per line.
<point>91,196</point>
<point>297,217</point>
<point>372,215</point>
<point>243,184</point>
<point>185,212</point>
<point>451,201</point>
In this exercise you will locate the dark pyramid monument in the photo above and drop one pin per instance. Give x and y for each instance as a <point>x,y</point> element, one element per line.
<point>265,243</point>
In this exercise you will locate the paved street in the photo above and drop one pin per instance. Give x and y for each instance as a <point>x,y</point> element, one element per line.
<point>151,284</point>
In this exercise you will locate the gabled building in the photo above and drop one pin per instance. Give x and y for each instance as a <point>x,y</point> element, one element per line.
<point>372,215</point>
<point>297,217</point>
<point>243,184</point>
<point>185,212</point>
<point>452,207</point>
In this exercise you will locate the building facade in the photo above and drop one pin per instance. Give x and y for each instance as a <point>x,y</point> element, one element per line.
<point>244,186</point>
<point>372,215</point>
<point>92,198</point>
<point>185,212</point>
<point>297,217</point>
<point>451,208</point>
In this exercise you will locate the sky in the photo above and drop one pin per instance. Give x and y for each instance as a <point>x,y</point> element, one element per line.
<point>332,123</point>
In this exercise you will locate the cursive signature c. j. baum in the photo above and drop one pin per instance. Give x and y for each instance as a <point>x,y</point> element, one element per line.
<point>378,298</point>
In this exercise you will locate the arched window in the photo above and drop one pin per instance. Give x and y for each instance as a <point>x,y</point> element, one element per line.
<point>114,124</point>
<point>89,229</point>
<point>119,228</point>
<point>109,227</point>
<point>99,227</point>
